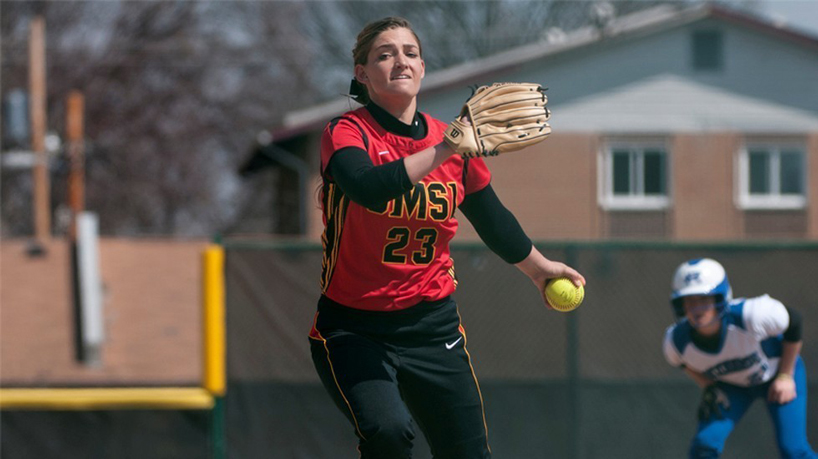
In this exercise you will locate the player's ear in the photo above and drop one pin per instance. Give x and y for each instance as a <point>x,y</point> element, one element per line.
<point>422,68</point>
<point>360,74</point>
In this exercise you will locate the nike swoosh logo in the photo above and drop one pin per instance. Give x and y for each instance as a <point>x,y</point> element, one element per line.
<point>383,152</point>
<point>449,346</point>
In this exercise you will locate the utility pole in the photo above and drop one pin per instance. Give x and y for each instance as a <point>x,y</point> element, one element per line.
<point>40,173</point>
<point>75,108</point>
<point>89,330</point>
<point>74,127</point>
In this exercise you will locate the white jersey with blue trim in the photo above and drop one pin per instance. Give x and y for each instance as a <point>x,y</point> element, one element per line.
<point>748,351</point>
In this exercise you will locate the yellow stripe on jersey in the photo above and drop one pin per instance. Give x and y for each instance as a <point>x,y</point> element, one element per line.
<point>335,207</point>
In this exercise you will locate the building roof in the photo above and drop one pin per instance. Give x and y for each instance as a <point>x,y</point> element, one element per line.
<point>640,23</point>
<point>669,103</point>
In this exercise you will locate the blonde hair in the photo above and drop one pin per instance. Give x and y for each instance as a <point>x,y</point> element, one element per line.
<point>363,45</point>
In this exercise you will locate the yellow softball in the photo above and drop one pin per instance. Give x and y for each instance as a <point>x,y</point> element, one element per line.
<point>563,295</point>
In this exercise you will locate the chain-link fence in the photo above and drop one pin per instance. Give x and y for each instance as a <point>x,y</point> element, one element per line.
<point>589,384</point>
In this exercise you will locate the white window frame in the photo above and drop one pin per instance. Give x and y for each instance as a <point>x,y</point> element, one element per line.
<point>636,200</point>
<point>774,200</point>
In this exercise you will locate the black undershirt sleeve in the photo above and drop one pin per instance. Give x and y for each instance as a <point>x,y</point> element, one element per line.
<point>366,184</point>
<point>496,225</point>
<point>793,332</point>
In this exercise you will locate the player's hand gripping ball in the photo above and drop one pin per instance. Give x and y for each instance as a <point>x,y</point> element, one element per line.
<point>563,295</point>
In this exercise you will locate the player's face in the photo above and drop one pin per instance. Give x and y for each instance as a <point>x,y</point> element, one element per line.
<point>394,67</point>
<point>700,310</point>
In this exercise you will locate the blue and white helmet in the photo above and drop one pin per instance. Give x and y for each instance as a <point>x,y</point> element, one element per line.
<point>700,276</point>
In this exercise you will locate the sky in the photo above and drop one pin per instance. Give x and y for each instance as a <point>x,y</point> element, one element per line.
<point>799,14</point>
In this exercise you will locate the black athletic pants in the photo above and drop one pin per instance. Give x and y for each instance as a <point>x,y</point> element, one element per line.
<point>388,370</point>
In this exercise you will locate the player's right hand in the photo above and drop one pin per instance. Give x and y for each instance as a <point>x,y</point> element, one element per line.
<point>782,390</point>
<point>714,403</point>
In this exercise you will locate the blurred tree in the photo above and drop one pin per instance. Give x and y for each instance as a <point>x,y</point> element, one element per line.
<point>451,32</point>
<point>176,92</point>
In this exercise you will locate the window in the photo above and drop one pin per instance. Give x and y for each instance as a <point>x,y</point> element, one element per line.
<point>772,176</point>
<point>708,50</point>
<point>634,176</point>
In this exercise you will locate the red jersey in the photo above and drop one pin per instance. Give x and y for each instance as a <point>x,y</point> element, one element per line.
<point>397,256</point>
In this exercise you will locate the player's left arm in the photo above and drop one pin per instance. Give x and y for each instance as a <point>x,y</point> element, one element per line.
<point>782,389</point>
<point>502,233</point>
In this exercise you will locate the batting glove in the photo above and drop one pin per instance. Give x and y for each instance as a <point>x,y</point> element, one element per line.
<point>714,403</point>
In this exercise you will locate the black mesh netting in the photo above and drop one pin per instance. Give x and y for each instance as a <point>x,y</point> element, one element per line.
<point>589,384</point>
<point>120,434</point>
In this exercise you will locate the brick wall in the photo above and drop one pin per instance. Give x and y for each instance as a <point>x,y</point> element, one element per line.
<point>152,308</point>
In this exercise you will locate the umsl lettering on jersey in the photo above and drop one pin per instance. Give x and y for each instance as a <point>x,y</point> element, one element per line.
<point>732,366</point>
<point>426,201</point>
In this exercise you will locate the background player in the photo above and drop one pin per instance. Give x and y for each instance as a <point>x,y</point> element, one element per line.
<point>737,351</point>
<point>387,340</point>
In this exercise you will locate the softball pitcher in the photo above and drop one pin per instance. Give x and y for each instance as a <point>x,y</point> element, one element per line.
<point>387,341</point>
<point>737,351</point>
